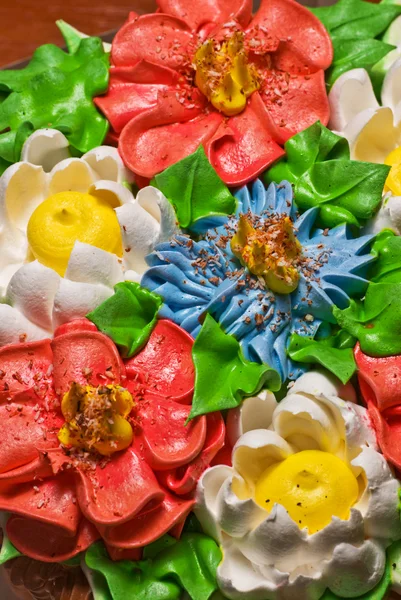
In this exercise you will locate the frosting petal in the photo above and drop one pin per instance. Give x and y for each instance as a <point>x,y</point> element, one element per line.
<point>351,94</point>
<point>144,223</point>
<point>32,291</point>
<point>107,164</point>
<point>89,264</point>
<point>14,327</point>
<point>210,12</point>
<point>71,174</point>
<point>45,148</point>
<point>76,299</point>
<point>391,90</point>
<point>254,413</point>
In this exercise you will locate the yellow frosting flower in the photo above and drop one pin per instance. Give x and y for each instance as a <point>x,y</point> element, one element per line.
<point>224,75</point>
<point>393,181</point>
<point>96,418</point>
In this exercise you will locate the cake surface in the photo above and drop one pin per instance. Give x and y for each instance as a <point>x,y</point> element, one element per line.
<point>200,331</point>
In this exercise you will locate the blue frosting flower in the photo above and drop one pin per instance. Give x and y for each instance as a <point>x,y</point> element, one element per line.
<point>205,276</point>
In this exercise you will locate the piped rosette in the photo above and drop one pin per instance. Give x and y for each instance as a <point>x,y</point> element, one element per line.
<point>309,503</point>
<point>65,493</point>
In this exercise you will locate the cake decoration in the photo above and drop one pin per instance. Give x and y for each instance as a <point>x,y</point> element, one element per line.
<point>223,375</point>
<point>318,165</point>
<point>195,278</point>
<point>359,36</point>
<point>62,497</point>
<point>332,350</point>
<point>308,504</point>
<point>168,568</point>
<point>128,317</point>
<point>55,90</point>
<point>184,78</point>
<point>200,198</point>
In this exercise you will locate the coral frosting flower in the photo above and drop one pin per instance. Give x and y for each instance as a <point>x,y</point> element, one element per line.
<point>309,502</point>
<point>64,496</point>
<point>209,73</point>
<point>379,379</point>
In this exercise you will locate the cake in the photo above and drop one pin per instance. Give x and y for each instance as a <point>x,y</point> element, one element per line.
<point>200,331</point>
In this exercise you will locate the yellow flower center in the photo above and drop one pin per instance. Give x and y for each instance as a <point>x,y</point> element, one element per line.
<point>224,75</point>
<point>313,486</point>
<point>270,251</point>
<point>67,217</point>
<point>393,181</point>
<point>96,418</point>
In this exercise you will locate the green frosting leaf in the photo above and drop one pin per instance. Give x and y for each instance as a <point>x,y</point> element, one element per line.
<point>335,353</point>
<point>318,164</point>
<point>8,551</point>
<point>354,54</point>
<point>354,26</point>
<point>376,320</point>
<point>223,376</point>
<point>71,35</point>
<point>387,250</point>
<point>128,317</point>
<point>55,90</point>
<point>189,565</point>
<point>195,190</point>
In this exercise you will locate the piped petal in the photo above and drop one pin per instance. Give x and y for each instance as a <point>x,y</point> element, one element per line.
<point>47,542</point>
<point>85,357</point>
<point>133,90</point>
<point>167,441</point>
<point>245,145</point>
<point>351,93</point>
<point>165,363</point>
<point>136,484</point>
<point>163,135</point>
<point>183,481</point>
<point>71,174</point>
<point>151,38</point>
<point>304,33</point>
<point>107,164</point>
<point>45,148</point>
<point>32,290</point>
<point>149,525</point>
<point>14,327</point>
<point>210,11</point>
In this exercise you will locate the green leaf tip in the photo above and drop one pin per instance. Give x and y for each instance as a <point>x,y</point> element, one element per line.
<point>223,376</point>
<point>195,190</point>
<point>335,353</point>
<point>128,317</point>
<point>318,164</point>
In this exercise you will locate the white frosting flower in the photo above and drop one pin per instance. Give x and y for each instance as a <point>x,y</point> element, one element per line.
<point>309,503</point>
<point>47,169</point>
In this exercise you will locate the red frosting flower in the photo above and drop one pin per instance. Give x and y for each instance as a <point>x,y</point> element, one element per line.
<point>380,383</point>
<point>62,501</point>
<point>208,73</point>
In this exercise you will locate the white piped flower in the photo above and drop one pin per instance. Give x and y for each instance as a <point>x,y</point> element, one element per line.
<point>266,553</point>
<point>47,169</point>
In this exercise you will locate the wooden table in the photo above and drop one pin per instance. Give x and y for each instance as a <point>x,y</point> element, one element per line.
<point>26,24</point>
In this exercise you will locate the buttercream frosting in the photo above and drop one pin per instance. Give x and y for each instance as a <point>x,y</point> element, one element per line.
<point>268,554</point>
<point>199,277</point>
<point>37,299</point>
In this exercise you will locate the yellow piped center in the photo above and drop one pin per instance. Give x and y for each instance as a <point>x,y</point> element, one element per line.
<point>224,75</point>
<point>393,181</point>
<point>313,486</point>
<point>67,217</point>
<point>96,418</point>
<point>270,251</point>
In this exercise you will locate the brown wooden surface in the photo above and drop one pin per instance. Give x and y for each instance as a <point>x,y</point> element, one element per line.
<point>26,24</point>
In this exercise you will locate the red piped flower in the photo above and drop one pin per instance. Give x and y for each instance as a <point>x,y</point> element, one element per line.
<point>59,504</point>
<point>159,116</point>
<point>380,383</point>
